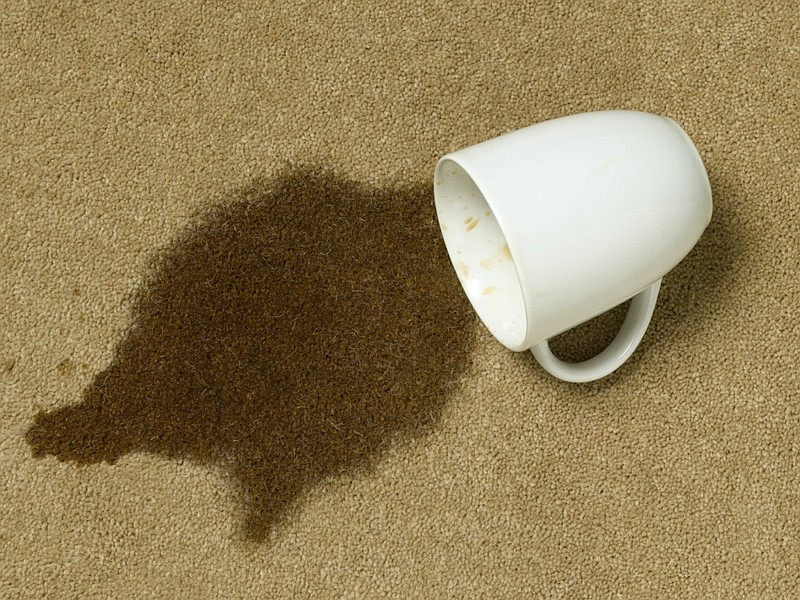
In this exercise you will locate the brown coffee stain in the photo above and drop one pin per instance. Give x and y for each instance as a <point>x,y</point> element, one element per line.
<point>9,364</point>
<point>488,290</point>
<point>473,224</point>
<point>468,220</point>
<point>499,257</point>
<point>66,367</point>
<point>463,269</point>
<point>289,337</point>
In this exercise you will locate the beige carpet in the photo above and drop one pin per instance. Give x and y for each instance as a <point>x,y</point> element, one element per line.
<point>234,362</point>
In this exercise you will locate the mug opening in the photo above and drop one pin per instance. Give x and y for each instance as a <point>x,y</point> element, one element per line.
<point>480,254</point>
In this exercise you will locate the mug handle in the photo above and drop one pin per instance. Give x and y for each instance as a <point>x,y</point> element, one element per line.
<point>610,359</point>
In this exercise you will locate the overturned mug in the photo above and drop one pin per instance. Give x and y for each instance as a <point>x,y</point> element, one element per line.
<point>553,224</point>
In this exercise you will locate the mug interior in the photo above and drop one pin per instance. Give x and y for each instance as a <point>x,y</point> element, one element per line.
<point>480,254</point>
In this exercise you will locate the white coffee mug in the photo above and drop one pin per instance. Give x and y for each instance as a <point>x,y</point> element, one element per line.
<point>553,224</point>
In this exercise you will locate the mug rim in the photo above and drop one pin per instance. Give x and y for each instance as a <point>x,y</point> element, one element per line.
<point>516,343</point>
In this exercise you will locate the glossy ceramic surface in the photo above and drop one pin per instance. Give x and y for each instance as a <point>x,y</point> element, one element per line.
<point>551,225</point>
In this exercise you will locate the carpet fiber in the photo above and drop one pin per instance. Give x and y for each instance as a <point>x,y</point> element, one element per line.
<point>235,361</point>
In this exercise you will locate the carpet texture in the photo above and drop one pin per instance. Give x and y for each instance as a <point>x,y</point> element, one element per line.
<point>235,361</point>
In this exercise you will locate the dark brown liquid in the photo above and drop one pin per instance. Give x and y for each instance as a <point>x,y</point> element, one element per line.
<point>289,337</point>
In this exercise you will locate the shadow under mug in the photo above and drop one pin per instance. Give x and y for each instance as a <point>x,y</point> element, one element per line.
<point>553,224</point>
